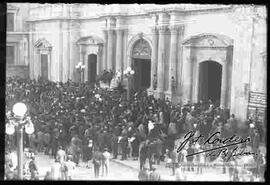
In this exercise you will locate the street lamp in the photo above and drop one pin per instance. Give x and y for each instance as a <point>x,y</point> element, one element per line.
<point>80,67</point>
<point>128,73</point>
<point>18,123</point>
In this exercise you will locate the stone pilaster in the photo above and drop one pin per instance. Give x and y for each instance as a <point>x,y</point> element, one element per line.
<point>119,50</point>
<point>31,51</point>
<point>173,58</point>
<point>60,67</point>
<point>110,50</point>
<point>154,57</point>
<point>186,74</point>
<point>224,87</point>
<point>161,62</point>
<point>104,51</point>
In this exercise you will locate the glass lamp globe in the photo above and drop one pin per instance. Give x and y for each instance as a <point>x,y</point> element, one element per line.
<point>132,72</point>
<point>19,109</point>
<point>29,128</point>
<point>10,129</point>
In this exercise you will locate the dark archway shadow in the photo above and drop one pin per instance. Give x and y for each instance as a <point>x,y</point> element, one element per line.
<point>210,78</point>
<point>92,68</point>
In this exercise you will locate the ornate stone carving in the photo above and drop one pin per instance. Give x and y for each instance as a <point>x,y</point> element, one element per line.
<point>162,29</point>
<point>90,40</point>
<point>43,44</point>
<point>207,40</point>
<point>154,30</point>
<point>211,42</point>
<point>174,29</point>
<point>141,49</point>
<point>141,35</point>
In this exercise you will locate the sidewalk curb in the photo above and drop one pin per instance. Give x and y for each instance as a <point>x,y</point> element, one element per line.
<point>123,164</point>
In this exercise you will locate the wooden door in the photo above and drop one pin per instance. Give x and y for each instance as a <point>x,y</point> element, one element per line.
<point>44,66</point>
<point>92,68</point>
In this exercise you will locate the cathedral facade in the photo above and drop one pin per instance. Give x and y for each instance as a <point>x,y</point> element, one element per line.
<point>183,52</point>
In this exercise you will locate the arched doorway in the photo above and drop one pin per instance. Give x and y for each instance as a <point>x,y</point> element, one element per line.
<point>141,55</point>
<point>210,75</point>
<point>92,68</point>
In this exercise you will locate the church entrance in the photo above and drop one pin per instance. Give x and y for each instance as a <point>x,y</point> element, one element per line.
<point>141,64</point>
<point>210,75</point>
<point>142,76</point>
<point>92,68</point>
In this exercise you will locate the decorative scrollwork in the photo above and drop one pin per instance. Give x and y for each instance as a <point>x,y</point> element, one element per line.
<point>142,49</point>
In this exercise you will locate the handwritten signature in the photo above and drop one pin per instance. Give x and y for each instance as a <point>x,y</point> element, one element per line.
<point>220,150</point>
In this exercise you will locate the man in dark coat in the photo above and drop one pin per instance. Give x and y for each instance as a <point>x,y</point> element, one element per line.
<point>114,146</point>
<point>124,146</point>
<point>97,159</point>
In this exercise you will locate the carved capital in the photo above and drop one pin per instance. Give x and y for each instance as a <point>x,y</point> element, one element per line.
<point>174,29</point>
<point>119,31</point>
<point>162,29</point>
<point>110,31</point>
<point>140,35</point>
<point>154,30</point>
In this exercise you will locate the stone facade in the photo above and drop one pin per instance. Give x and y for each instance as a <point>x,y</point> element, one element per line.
<point>180,38</point>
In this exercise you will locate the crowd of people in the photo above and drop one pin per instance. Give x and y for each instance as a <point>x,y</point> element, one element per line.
<point>87,121</point>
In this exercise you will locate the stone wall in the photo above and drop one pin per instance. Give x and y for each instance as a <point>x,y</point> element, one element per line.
<point>17,70</point>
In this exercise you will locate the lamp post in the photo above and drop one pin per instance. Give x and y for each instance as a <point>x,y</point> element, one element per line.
<point>16,124</point>
<point>128,73</point>
<point>80,67</point>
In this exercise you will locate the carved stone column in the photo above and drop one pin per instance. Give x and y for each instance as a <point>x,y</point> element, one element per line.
<point>224,87</point>
<point>173,56</point>
<point>110,50</point>
<point>186,73</point>
<point>119,50</point>
<point>104,51</point>
<point>161,62</point>
<point>154,56</point>
<point>99,59</point>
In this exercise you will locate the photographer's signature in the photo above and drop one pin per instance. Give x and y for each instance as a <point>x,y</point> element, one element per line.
<point>231,141</point>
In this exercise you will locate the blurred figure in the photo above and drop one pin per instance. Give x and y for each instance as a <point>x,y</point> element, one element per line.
<point>33,169</point>
<point>56,170</point>
<point>154,175</point>
<point>71,166</point>
<point>97,159</point>
<point>144,174</point>
<point>61,154</point>
<point>48,176</point>
<point>179,174</point>
<point>106,161</point>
